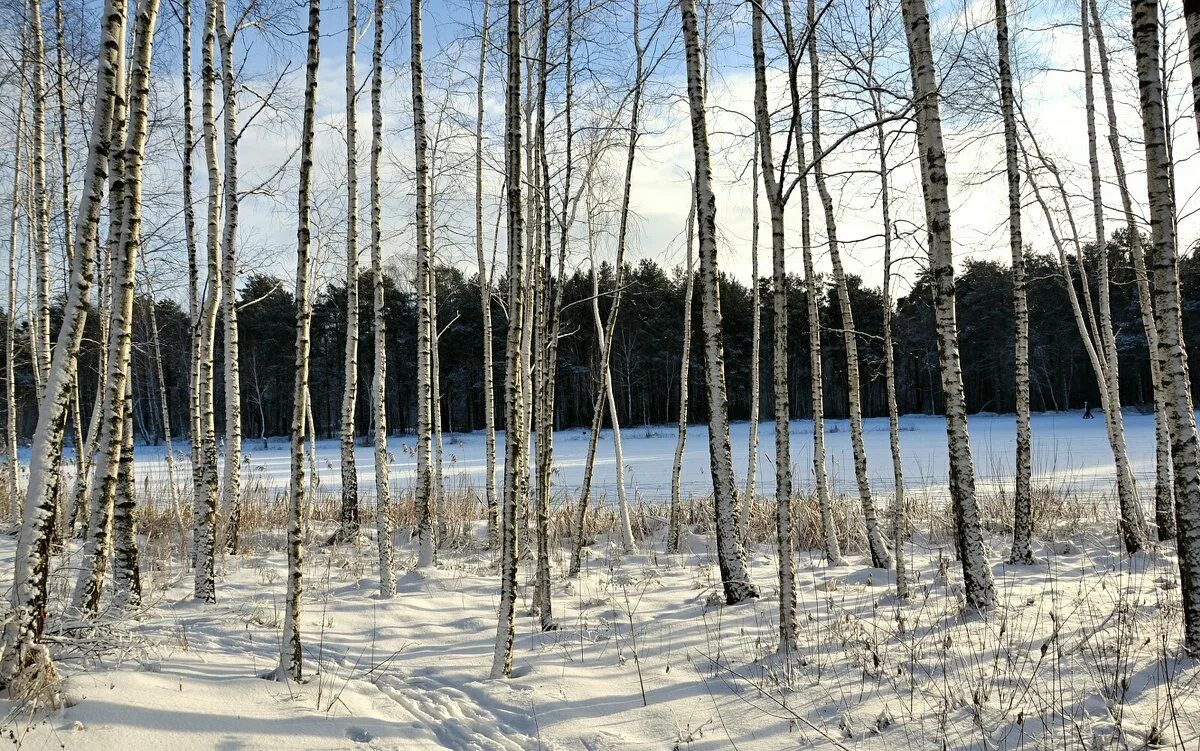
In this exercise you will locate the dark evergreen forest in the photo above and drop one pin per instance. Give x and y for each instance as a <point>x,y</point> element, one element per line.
<point>647,348</point>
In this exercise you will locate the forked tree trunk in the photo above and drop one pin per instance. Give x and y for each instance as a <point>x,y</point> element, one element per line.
<point>731,555</point>
<point>383,520</point>
<point>291,662</point>
<point>25,664</point>
<point>1022,547</point>
<point>231,489</point>
<point>349,523</point>
<point>1175,381</point>
<point>204,498</point>
<point>880,556</point>
<point>977,575</point>
<point>426,490</point>
<point>516,443</point>
<point>1164,495</point>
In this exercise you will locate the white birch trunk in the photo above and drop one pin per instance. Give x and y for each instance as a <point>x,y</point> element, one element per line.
<point>485,300</point>
<point>731,555</point>
<point>383,521</point>
<point>25,663</point>
<point>291,662</point>
<point>675,523</point>
<point>755,342</point>
<point>349,525</point>
<point>977,575</point>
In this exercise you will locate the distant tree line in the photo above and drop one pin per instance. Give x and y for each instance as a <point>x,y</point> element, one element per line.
<point>645,366</point>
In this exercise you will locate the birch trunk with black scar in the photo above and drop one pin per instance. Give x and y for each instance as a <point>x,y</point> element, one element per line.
<point>1022,547</point>
<point>1132,524</point>
<point>485,294</point>
<point>79,491</point>
<point>1168,315</point>
<point>731,555</point>
<point>425,476</point>
<point>165,411</point>
<point>291,663</point>
<point>12,466</point>
<point>349,523</point>
<point>755,340</point>
<point>1164,495</point>
<point>784,532</point>
<point>118,410</point>
<point>383,521</point>
<point>977,575</point>
<point>515,444</point>
<point>127,579</point>
<point>675,523</point>
<point>25,663</point>
<point>880,555</point>
<point>40,210</point>
<point>231,489</point>
<point>205,490</point>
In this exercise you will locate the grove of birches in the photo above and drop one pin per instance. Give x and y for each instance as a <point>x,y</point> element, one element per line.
<point>377,240</point>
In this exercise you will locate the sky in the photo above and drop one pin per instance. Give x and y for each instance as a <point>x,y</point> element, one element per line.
<point>1045,38</point>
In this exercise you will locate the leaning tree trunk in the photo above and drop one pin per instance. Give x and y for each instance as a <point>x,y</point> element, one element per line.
<point>25,665</point>
<point>383,519</point>
<point>425,334</point>
<point>784,532</point>
<point>1022,547</point>
<point>1175,383</point>
<point>731,555</point>
<point>204,497</point>
<point>880,556</point>
<point>291,662</point>
<point>1164,495</point>
<point>675,523</point>
<point>231,489</point>
<point>516,444</point>
<point>977,575</point>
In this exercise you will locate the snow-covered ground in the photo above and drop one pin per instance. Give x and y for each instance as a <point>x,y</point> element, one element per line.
<point>1083,651</point>
<point>1069,453</point>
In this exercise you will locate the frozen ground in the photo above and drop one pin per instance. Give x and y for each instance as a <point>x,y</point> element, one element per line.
<point>1068,452</point>
<point>1083,651</point>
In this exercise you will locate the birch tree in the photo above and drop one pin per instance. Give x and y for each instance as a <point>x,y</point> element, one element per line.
<point>977,575</point>
<point>1022,547</point>
<point>1185,454</point>
<point>485,300</point>
<point>349,523</point>
<point>426,488</point>
<point>12,466</point>
<point>731,555</point>
<point>675,520</point>
<point>25,665</point>
<point>204,496</point>
<point>231,488</point>
<point>383,521</point>
<point>880,556</point>
<point>291,662</point>
<point>516,445</point>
